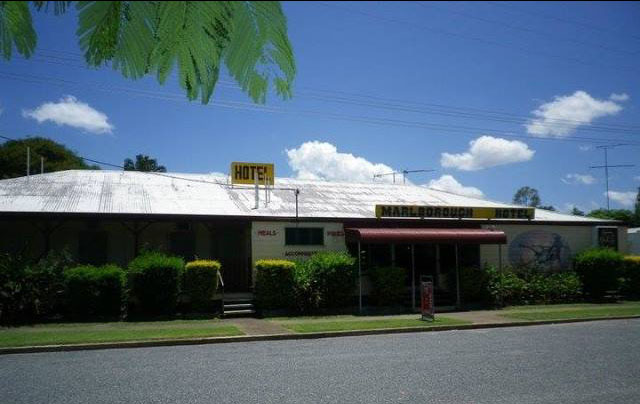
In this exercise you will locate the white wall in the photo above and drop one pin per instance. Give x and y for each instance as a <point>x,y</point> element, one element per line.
<point>577,238</point>
<point>267,240</point>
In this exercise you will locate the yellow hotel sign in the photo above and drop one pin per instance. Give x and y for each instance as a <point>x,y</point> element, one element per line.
<point>247,173</point>
<point>453,212</point>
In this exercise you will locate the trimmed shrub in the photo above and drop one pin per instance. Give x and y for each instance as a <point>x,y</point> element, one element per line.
<point>274,288</point>
<point>31,291</point>
<point>333,276</point>
<point>599,270</point>
<point>505,288</point>
<point>388,285</point>
<point>474,284</point>
<point>94,291</point>
<point>153,280</point>
<point>201,283</point>
<point>306,293</point>
<point>631,277</point>
<point>564,287</point>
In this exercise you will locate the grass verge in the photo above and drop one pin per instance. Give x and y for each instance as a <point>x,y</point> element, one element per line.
<point>570,311</point>
<point>349,323</point>
<point>77,333</point>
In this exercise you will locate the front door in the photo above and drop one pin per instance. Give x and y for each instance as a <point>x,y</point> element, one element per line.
<point>230,246</point>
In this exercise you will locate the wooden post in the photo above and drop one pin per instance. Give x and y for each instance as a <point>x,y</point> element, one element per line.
<point>458,300</point>
<point>413,278</point>
<point>359,279</point>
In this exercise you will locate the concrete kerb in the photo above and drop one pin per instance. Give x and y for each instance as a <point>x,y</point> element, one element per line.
<point>284,337</point>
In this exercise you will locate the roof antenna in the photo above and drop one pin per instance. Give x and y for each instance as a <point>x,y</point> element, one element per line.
<point>403,172</point>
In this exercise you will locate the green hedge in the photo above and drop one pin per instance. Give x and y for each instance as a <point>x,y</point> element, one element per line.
<point>326,280</point>
<point>512,287</point>
<point>31,291</point>
<point>200,283</point>
<point>388,285</point>
<point>94,291</point>
<point>153,280</point>
<point>631,277</point>
<point>274,287</point>
<point>599,270</point>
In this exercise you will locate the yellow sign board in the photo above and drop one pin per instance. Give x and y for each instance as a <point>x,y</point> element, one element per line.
<point>247,173</point>
<point>453,212</point>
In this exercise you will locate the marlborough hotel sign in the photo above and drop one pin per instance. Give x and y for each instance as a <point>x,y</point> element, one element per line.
<point>250,173</point>
<point>453,212</point>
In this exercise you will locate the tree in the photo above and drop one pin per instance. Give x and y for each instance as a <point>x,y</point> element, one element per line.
<point>547,207</point>
<point>577,212</point>
<point>623,215</point>
<point>143,163</point>
<point>527,196</point>
<point>140,38</point>
<point>57,157</point>
<point>637,208</point>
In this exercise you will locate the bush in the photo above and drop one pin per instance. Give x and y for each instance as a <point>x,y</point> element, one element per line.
<point>94,291</point>
<point>631,277</point>
<point>388,285</point>
<point>153,280</point>
<point>599,270</point>
<point>505,288</point>
<point>306,293</point>
<point>332,278</point>
<point>562,287</point>
<point>201,283</point>
<point>31,291</point>
<point>474,285</point>
<point>274,288</point>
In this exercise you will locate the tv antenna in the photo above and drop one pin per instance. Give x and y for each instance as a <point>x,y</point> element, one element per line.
<point>607,166</point>
<point>403,172</point>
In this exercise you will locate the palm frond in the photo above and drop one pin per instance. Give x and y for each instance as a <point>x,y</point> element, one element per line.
<point>259,49</point>
<point>16,29</point>
<point>59,7</point>
<point>98,26</point>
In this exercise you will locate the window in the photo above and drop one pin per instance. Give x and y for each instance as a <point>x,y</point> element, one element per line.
<point>183,244</point>
<point>304,236</point>
<point>92,247</point>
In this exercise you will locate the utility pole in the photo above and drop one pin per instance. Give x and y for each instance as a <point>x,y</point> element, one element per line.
<point>403,172</point>
<point>41,165</point>
<point>28,161</point>
<point>606,166</point>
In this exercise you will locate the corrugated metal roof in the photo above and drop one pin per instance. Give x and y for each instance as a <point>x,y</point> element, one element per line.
<point>130,192</point>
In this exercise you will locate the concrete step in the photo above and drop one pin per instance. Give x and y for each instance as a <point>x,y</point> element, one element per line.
<point>238,306</point>
<point>239,313</point>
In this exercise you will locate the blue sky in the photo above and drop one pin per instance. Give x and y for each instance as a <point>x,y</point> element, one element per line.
<point>397,85</point>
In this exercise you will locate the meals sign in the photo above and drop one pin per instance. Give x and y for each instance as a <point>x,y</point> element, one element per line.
<point>453,212</point>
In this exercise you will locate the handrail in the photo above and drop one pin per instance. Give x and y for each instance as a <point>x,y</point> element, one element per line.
<point>222,286</point>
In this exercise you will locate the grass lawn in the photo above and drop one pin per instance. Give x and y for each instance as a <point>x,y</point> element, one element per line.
<point>567,311</point>
<point>75,333</point>
<point>351,323</point>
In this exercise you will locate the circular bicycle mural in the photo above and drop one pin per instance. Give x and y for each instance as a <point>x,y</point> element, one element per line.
<point>538,249</point>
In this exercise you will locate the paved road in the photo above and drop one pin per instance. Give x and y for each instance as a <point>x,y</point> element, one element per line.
<point>574,363</point>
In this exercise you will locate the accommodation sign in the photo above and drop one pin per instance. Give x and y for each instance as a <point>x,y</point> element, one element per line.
<point>453,212</point>
<point>247,173</point>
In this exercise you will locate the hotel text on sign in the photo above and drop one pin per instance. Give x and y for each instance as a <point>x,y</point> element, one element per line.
<point>453,212</point>
<point>247,173</point>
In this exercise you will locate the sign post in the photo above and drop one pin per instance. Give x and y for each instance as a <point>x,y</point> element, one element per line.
<point>426,298</point>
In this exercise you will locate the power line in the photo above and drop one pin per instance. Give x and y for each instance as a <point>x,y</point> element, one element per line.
<point>525,29</point>
<point>606,165</point>
<point>561,19</point>
<point>460,129</point>
<point>440,109</point>
<point>491,42</point>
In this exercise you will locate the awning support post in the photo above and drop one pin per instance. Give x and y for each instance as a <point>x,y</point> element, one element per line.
<point>413,278</point>
<point>359,279</point>
<point>458,301</point>
<point>500,271</point>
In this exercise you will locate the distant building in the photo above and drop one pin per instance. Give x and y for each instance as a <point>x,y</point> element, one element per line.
<point>633,235</point>
<point>110,216</point>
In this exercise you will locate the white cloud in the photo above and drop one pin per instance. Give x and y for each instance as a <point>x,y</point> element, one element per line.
<point>562,116</point>
<point>585,148</point>
<point>488,151</point>
<point>619,97</point>
<point>623,198</point>
<point>584,179</point>
<point>69,111</point>
<point>321,160</point>
<point>449,184</point>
